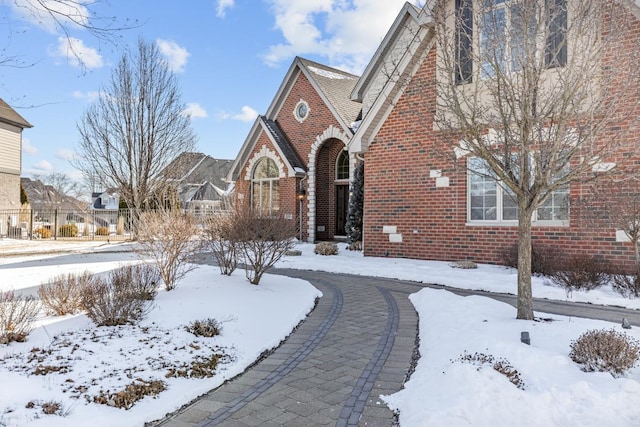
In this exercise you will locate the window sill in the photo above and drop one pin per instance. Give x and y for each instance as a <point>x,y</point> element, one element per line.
<point>515,224</point>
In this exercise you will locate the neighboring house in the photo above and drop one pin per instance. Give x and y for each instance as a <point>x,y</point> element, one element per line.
<point>45,197</point>
<point>11,126</point>
<point>294,161</point>
<point>416,204</point>
<point>200,181</point>
<point>105,200</point>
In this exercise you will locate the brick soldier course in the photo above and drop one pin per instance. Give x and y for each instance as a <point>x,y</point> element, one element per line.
<point>357,344</point>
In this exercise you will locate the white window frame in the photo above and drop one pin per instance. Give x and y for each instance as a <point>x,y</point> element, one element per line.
<point>500,195</point>
<point>260,203</point>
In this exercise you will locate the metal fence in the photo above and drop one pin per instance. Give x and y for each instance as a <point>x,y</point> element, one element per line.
<point>66,224</point>
<point>74,224</point>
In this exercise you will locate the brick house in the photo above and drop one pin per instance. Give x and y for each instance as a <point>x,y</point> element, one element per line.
<point>416,203</point>
<point>294,160</point>
<point>11,126</point>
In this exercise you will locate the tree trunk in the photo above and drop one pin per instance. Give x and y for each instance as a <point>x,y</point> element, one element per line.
<point>525,303</point>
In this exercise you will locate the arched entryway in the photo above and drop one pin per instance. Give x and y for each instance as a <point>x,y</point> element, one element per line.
<point>332,190</point>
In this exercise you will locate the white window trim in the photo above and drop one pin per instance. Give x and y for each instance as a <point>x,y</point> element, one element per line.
<point>499,207</point>
<point>335,169</point>
<point>295,111</point>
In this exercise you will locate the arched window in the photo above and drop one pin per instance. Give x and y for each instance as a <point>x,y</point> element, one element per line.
<point>342,166</point>
<point>265,192</point>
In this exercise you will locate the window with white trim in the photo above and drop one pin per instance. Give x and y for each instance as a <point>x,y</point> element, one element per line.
<point>488,201</point>
<point>265,187</point>
<point>342,166</point>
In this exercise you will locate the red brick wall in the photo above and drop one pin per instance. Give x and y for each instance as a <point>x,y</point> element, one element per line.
<point>400,192</point>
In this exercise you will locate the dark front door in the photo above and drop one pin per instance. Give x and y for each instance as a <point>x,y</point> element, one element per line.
<point>342,206</point>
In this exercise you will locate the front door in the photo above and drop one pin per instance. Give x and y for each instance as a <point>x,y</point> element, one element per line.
<point>342,206</point>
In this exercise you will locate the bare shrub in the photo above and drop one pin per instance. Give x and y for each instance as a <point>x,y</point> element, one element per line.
<point>143,279</point>
<point>544,259</point>
<point>220,237</point>
<point>17,313</point>
<point>133,392</point>
<point>120,226</point>
<point>63,294</point>
<point>68,230</point>
<point>200,367</point>
<point>464,265</point>
<point>605,351</point>
<point>262,240</point>
<point>114,301</point>
<point>42,232</point>
<point>102,231</point>
<point>167,236</point>
<point>500,365</point>
<point>326,248</point>
<point>627,285</point>
<point>582,272</point>
<point>207,328</point>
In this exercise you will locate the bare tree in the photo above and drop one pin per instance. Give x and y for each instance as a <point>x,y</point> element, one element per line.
<point>529,94</point>
<point>135,128</point>
<point>65,17</point>
<point>63,186</point>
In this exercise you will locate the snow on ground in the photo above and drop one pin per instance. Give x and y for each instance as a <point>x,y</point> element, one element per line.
<point>442,391</point>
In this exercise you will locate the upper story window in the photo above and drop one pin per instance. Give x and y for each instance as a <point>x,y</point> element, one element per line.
<point>301,111</point>
<point>342,166</point>
<point>265,187</point>
<point>509,34</point>
<point>491,202</point>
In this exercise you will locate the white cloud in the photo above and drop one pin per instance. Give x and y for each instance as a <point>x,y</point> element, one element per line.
<point>175,55</point>
<point>77,53</point>
<point>65,154</point>
<point>195,110</point>
<point>247,114</point>
<point>44,13</point>
<point>89,96</point>
<point>346,33</point>
<point>43,167</point>
<point>223,5</point>
<point>27,147</point>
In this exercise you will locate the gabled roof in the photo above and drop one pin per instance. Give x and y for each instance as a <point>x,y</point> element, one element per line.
<point>280,142</point>
<point>9,115</point>
<point>333,86</point>
<point>413,29</point>
<point>197,168</point>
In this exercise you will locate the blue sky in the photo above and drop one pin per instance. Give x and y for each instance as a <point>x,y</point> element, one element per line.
<point>230,57</point>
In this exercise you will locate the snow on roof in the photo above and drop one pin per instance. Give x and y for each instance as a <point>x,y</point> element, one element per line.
<point>329,74</point>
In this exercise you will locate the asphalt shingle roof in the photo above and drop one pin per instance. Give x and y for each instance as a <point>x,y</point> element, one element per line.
<point>283,143</point>
<point>9,115</point>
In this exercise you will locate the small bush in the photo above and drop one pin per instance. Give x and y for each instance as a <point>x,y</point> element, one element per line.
<point>582,272</point>
<point>464,265</point>
<point>326,248</point>
<point>501,365</point>
<point>142,279</point>
<point>63,295</point>
<point>605,351</point>
<point>544,259</point>
<point>220,237</point>
<point>17,313</point>
<point>68,230</point>
<point>262,240</point>
<point>627,285</point>
<point>169,238</point>
<point>42,232</point>
<point>200,367</point>
<point>116,300</point>
<point>102,231</point>
<point>207,328</point>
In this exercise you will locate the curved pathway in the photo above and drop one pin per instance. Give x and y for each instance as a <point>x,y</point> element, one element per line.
<point>357,344</point>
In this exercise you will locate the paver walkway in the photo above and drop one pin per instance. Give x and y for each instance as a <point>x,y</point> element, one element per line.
<point>356,345</point>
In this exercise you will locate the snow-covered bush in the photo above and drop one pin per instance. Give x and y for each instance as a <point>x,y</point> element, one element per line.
<point>326,248</point>
<point>605,351</point>
<point>627,285</point>
<point>207,328</point>
<point>17,313</point>
<point>63,294</point>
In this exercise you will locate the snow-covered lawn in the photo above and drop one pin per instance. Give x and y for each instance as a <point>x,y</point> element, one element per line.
<point>442,391</point>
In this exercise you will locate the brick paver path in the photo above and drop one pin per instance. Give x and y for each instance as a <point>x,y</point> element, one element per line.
<point>355,345</point>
